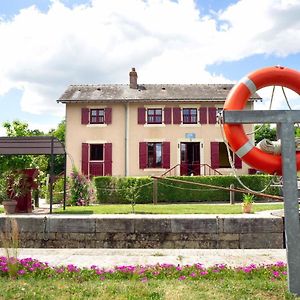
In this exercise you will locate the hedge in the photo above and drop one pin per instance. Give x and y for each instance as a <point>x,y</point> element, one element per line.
<point>112,189</point>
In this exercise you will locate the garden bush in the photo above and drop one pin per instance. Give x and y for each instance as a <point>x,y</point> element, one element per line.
<point>112,189</point>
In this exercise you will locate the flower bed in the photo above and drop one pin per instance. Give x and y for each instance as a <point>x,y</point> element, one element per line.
<point>32,268</point>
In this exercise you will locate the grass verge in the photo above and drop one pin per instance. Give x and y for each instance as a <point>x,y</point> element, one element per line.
<point>153,290</point>
<point>166,209</point>
<point>38,280</point>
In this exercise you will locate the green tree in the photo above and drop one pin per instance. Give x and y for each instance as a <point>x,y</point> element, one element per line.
<point>59,133</point>
<point>13,162</point>
<point>265,132</point>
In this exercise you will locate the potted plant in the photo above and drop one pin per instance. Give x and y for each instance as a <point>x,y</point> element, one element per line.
<point>248,200</point>
<point>12,186</point>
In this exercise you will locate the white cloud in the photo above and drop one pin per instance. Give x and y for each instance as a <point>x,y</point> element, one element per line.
<point>167,41</point>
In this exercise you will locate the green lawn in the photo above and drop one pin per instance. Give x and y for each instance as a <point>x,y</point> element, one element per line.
<point>226,289</point>
<point>166,209</point>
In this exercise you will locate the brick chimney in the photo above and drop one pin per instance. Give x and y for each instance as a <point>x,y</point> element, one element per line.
<point>133,79</point>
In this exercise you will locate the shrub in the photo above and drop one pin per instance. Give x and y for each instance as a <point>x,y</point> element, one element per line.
<point>113,189</point>
<point>81,189</point>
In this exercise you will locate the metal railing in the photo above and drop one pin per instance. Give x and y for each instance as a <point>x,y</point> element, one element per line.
<point>203,170</point>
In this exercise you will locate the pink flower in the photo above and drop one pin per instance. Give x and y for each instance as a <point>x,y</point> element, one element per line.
<point>21,272</point>
<point>144,279</point>
<point>203,273</point>
<point>280,264</point>
<point>276,274</point>
<point>182,278</point>
<point>193,275</point>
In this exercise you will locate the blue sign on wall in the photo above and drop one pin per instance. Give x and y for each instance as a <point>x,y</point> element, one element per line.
<point>190,135</point>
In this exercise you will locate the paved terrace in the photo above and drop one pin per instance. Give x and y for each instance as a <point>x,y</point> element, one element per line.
<point>111,257</point>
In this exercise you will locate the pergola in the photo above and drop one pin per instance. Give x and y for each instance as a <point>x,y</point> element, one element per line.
<point>36,145</point>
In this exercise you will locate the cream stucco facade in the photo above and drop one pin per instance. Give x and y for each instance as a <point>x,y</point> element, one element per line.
<point>125,134</point>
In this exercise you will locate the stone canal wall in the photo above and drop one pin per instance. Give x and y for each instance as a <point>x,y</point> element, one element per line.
<point>149,231</point>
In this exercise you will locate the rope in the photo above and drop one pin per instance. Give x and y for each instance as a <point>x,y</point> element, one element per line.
<point>233,167</point>
<point>270,107</point>
<point>238,190</point>
<point>186,189</point>
<point>125,188</point>
<point>286,99</point>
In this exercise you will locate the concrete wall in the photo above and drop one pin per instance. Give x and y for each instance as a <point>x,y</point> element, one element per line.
<point>149,232</point>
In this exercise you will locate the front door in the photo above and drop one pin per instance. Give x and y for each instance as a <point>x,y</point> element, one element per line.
<point>190,158</point>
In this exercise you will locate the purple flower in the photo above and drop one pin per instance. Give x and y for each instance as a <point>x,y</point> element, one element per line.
<point>144,279</point>
<point>280,264</point>
<point>182,278</point>
<point>276,274</point>
<point>93,267</point>
<point>21,272</point>
<point>193,275</point>
<point>199,266</point>
<point>203,273</point>
<point>60,270</point>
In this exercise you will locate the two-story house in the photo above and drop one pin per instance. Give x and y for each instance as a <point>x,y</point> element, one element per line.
<point>146,129</point>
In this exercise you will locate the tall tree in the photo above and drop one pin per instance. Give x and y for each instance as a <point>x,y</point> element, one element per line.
<point>13,162</point>
<point>265,132</point>
<point>59,133</point>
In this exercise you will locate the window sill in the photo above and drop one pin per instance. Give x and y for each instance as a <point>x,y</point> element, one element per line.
<point>154,125</point>
<point>154,169</point>
<point>190,125</point>
<point>96,125</point>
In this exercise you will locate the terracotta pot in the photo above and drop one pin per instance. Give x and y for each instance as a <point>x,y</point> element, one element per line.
<point>247,207</point>
<point>9,206</point>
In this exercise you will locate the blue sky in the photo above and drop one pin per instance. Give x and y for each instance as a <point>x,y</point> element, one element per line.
<point>47,45</point>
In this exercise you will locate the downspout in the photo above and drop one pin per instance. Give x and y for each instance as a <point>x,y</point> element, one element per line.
<point>126,137</point>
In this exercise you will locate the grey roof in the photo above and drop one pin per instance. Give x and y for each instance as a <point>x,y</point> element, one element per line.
<point>147,92</point>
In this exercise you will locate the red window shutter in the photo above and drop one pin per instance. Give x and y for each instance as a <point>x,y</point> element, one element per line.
<point>167,115</point>
<point>237,162</point>
<point>85,158</point>
<point>108,159</point>
<point>212,115</point>
<point>166,155</point>
<point>96,169</point>
<point>141,115</point>
<point>203,115</point>
<point>143,155</point>
<point>176,115</point>
<point>108,113</point>
<point>214,155</point>
<point>85,116</point>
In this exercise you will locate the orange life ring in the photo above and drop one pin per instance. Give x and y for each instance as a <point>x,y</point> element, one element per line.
<point>237,100</point>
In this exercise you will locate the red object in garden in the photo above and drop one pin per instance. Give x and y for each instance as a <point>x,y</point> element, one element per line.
<point>24,204</point>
